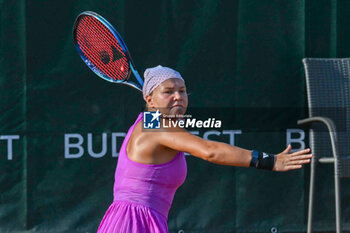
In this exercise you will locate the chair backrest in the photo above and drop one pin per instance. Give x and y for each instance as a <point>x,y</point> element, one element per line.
<point>328,93</point>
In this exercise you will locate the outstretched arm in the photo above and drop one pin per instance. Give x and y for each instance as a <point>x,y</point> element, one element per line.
<point>225,154</point>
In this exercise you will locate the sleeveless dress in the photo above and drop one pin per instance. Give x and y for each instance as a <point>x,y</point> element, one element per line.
<point>143,193</point>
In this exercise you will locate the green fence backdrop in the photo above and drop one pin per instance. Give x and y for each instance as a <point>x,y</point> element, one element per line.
<point>238,57</point>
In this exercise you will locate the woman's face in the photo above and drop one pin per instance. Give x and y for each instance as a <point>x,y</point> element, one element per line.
<point>170,97</point>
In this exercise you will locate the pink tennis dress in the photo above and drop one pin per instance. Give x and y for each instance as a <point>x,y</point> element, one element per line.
<point>142,193</point>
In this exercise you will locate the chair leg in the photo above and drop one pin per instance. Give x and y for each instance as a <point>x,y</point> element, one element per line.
<point>337,199</point>
<point>311,195</point>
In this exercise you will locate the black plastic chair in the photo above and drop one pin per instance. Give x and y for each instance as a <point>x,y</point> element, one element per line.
<point>328,92</point>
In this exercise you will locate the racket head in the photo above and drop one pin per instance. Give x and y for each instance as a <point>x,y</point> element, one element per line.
<point>102,48</point>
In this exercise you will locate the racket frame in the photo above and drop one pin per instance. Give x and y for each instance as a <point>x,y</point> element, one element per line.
<point>122,44</point>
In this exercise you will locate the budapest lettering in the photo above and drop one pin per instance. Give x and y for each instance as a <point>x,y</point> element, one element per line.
<point>77,145</point>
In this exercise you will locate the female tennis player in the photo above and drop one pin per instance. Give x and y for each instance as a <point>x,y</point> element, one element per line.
<point>152,165</point>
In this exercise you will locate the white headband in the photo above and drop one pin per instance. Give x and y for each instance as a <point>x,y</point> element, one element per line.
<point>155,76</point>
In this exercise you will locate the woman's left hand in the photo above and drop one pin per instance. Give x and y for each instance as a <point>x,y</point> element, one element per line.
<point>286,161</point>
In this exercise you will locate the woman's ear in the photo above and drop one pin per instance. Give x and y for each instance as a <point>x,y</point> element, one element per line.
<point>149,101</point>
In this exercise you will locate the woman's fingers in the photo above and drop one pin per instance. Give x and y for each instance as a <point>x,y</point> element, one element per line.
<point>296,162</point>
<point>298,157</point>
<point>288,149</point>
<point>293,167</point>
<point>301,152</point>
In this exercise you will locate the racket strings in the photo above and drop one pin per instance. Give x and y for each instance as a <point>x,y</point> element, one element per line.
<point>101,47</point>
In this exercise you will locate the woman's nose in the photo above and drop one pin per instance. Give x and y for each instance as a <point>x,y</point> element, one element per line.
<point>177,95</point>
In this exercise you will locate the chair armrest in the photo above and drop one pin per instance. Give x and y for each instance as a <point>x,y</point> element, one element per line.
<point>331,130</point>
<point>325,120</point>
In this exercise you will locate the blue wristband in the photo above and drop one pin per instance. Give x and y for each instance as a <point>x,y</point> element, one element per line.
<point>262,160</point>
<point>255,159</point>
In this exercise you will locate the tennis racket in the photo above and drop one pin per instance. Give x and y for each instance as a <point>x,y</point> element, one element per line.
<point>103,49</point>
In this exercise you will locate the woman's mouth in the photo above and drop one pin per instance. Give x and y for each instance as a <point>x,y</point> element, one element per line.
<point>176,105</point>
